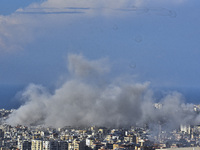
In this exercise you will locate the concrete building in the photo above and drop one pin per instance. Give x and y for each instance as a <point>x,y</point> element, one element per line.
<point>50,145</point>
<point>185,128</point>
<point>62,145</point>
<point>76,145</point>
<point>130,138</point>
<point>36,145</point>
<point>26,145</point>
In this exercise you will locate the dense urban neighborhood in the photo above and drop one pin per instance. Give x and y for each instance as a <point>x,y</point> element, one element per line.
<point>97,138</point>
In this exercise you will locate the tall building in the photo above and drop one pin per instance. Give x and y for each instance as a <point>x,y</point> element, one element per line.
<point>62,145</point>
<point>26,145</point>
<point>50,145</point>
<point>23,145</point>
<point>36,145</point>
<point>76,145</point>
<point>185,128</point>
<point>53,145</point>
<point>1,134</point>
<point>46,145</point>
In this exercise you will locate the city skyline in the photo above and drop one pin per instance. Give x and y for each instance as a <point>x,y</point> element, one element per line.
<point>99,74</point>
<point>134,137</point>
<point>116,53</point>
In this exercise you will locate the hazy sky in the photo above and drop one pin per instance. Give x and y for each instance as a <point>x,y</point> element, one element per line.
<point>147,40</point>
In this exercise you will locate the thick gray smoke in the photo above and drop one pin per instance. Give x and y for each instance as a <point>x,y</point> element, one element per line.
<point>80,102</point>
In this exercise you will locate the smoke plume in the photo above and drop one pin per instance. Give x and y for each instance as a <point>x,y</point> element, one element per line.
<point>83,101</point>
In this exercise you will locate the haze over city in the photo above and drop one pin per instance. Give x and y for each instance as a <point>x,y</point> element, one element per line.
<point>50,48</point>
<point>99,74</point>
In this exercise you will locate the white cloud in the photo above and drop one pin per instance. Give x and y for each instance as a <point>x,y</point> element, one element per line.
<point>15,32</point>
<point>19,28</point>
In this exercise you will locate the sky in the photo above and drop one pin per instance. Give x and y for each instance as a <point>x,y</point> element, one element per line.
<point>156,41</point>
